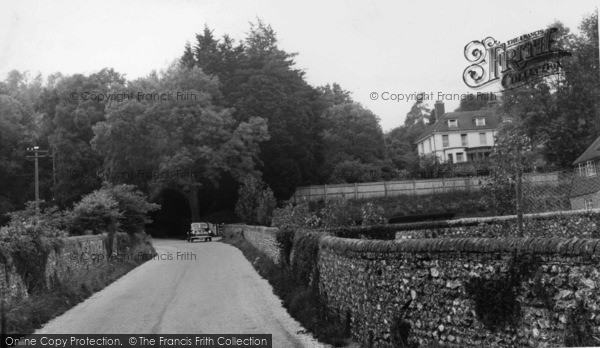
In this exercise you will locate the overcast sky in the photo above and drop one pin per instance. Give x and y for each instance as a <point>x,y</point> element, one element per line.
<point>365,46</point>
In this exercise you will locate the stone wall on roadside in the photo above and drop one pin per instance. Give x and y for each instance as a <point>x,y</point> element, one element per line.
<point>261,237</point>
<point>564,224</point>
<point>72,259</point>
<point>384,287</point>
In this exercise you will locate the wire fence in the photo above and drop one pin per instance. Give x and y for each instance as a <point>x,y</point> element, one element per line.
<point>541,192</point>
<point>567,190</point>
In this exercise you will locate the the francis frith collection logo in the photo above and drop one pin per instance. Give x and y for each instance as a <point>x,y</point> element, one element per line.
<point>514,62</point>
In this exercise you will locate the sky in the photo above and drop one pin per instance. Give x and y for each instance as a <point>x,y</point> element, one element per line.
<point>385,47</point>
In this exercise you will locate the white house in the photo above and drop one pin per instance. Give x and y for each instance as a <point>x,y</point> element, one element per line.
<point>461,136</point>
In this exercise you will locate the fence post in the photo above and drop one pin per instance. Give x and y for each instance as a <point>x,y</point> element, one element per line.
<point>385,189</point>
<point>325,191</point>
<point>355,191</point>
<point>414,187</point>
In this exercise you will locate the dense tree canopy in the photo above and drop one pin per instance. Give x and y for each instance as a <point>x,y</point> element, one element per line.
<point>563,110</point>
<point>252,112</point>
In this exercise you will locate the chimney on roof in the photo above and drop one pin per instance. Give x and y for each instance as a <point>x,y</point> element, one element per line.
<point>439,111</point>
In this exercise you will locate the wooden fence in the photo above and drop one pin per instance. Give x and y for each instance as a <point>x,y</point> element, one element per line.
<point>404,187</point>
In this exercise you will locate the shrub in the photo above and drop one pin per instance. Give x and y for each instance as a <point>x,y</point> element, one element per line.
<point>373,215</point>
<point>352,171</point>
<point>133,206</point>
<point>265,207</point>
<point>28,239</point>
<point>295,217</point>
<point>256,202</point>
<point>29,222</point>
<point>247,202</point>
<point>336,213</point>
<point>96,213</point>
<point>496,299</point>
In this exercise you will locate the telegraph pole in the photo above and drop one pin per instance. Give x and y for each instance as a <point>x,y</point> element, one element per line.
<point>37,153</point>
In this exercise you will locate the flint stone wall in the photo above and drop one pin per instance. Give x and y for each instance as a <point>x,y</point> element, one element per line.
<point>565,224</point>
<point>76,256</point>
<point>422,282</point>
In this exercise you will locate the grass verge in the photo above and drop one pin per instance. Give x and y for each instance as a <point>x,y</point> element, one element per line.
<point>27,315</point>
<point>301,301</point>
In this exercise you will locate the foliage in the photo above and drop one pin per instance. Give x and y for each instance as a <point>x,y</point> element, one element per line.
<point>353,142</point>
<point>295,217</point>
<point>580,327</point>
<point>335,213</point>
<point>351,171</point>
<point>28,239</point>
<point>16,130</point>
<point>30,223</point>
<point>132,205</point>
<point>248,196</point>
<point>496,299</point>
<point>373,215</point>
<point>400,142</point>
<point>513,154</point>
<point>205,144</point>
<point>563,109</point>
<point>96,213</point>
<point>256,202</point>
<point>266,205</point>
<point>257,78</point>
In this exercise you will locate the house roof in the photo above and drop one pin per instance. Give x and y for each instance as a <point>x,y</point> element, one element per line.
<point>592,152</point>
<point>465,120</point>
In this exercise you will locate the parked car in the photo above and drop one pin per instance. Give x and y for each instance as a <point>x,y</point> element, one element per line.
<point>200,230</point>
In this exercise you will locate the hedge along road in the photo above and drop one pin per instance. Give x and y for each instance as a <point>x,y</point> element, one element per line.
<point>218,292</point>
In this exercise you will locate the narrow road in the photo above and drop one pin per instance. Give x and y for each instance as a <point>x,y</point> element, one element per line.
<point>207,288</point>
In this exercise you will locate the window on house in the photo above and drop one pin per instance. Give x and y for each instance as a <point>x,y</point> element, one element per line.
<point>459,157</point>
<point>482,139</point>
<point>452,123</point>
<point>590,168</point>
<point>431,144</point>
<point>480,121</point>
<point>463,139</point>
<point>450,159</point>
<point>589,203</point>
<point>445,141</point>
<point>581,169</point>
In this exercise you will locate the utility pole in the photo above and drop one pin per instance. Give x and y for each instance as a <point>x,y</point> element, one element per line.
<point>37,153</point>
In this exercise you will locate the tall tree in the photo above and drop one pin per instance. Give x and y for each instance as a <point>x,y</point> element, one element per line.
<point>258,79</point>
<point>400,142</point>
<point>563,110</point>
<point>351,133</point>
<point>184,145</point>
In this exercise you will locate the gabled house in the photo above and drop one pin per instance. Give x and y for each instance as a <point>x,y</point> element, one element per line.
<point>460,136</point>
<point>585,190</point>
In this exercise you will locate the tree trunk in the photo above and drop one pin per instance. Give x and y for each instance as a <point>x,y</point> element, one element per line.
<point>194,203</point>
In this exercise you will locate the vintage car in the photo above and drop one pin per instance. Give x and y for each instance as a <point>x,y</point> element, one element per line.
<point>200,230</point>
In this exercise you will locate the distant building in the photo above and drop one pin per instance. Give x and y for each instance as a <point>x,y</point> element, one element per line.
<point>585,190</point>
<point>462,136</point>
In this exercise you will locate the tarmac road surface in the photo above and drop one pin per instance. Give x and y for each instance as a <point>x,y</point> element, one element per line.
<point>218,292</point>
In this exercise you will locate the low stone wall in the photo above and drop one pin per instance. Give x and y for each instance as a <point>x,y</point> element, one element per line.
<point>232,231</point>
<point>383,286</point>
<point>566,224</point>
<point>73,258</point>
<point>261,237</point>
